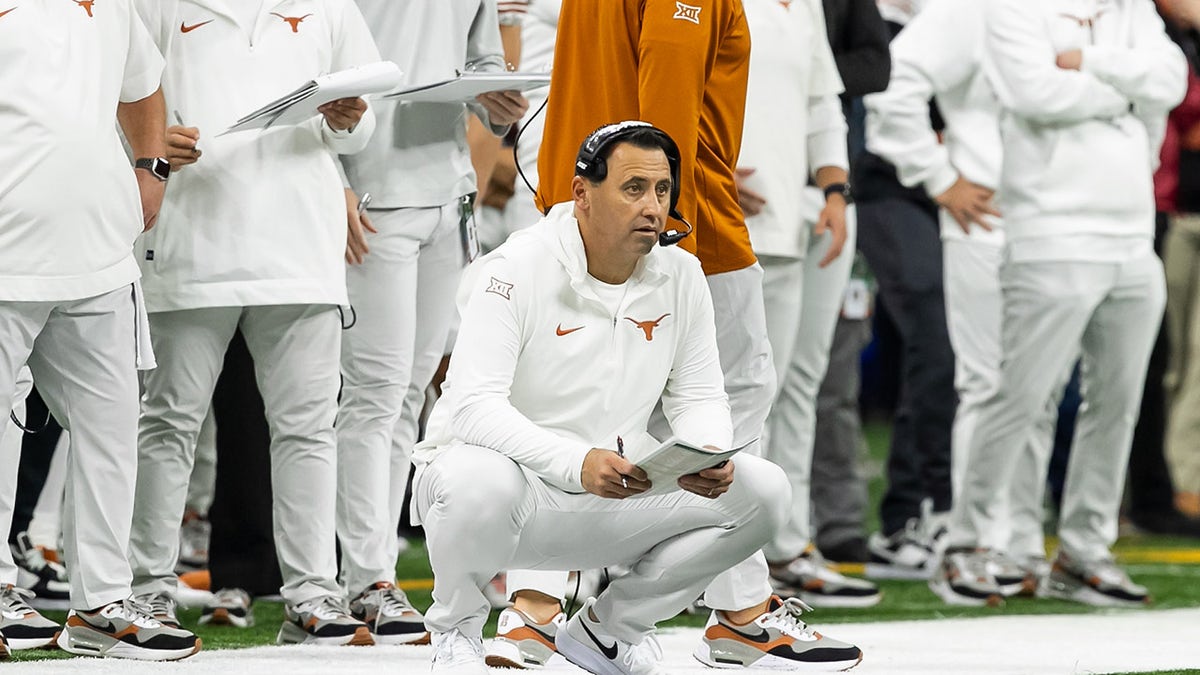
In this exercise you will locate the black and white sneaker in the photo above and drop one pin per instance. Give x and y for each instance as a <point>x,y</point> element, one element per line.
<point>48,580</point>
<point>21,624</point>
<point>585,643</point>
<point>229,607</point>
<point>819,585</point>
<point>911,553</point>
<point>963,578</point>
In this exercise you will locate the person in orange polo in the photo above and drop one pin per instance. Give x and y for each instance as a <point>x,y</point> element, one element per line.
<point>683,67</point>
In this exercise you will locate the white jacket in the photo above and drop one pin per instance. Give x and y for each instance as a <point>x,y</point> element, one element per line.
<point>542,372</point>
<point>1080,147</point>
<point>260,219</point>
<point>419,155</point>
<point>939,54</point>
<point>794,123</point>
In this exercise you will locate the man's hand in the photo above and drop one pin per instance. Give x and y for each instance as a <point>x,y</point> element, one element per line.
<point>1071,59</point>
<point>968,203</point>
<point>710,483</point>
<point>151,190</point>
<point>504,107</point>
<point>181,146</point>
<point>356,238</point>
<point>832,220</point>
<point>343,113</point>
<point>603,471</point>
<point>751,202</point>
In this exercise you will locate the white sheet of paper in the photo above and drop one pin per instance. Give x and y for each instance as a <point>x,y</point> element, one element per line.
<point>674,458</point>
<point>467,86</point>
<point>302,103</point>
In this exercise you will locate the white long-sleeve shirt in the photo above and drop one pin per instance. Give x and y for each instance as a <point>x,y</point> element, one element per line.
<point>544,370</point>
<point>260,218</point>
<point>794,123</point>
<point>939,54</point>
<point>69,206</point>
<point>419,154</point>
<point>1080,146</point>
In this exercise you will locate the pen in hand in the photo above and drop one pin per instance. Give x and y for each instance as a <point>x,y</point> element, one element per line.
<point>621,454</point>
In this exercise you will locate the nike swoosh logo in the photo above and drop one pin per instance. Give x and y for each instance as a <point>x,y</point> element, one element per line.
<point>7,11</point>
<point>549,638</point>
<point>761,637</point>
<point>609,652</point>
<point>561,332</point>
<point>184,28</point>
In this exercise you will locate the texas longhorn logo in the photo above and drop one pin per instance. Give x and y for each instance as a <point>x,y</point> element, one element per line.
<point>86,5</point>
<point>647,326</point>
<point>687,13</point>
<point>293,21</point>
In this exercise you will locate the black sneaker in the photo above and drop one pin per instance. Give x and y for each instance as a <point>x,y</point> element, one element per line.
<point>47,580</point>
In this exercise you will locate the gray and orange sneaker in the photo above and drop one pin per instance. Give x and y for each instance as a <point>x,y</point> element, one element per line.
<point>4,653</point>
<point>391,617</point>
<point>964,578</point>
<point>776,640</point>
<point>21,625</point>
<point>524,643</point>
<point>1093,582</point>
<point>162,607</point>
<point>322,621</point>
<point>125,629</point>
<point>229,607</point>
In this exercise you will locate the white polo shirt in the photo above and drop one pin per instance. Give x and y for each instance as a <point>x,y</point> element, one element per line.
<point>69,204</point>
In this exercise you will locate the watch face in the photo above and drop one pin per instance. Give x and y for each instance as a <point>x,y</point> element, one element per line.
<point>158,166</point>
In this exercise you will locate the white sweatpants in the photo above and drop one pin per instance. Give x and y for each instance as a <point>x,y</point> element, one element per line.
<point>746,362</point>
<point>482,514</point>
<point>82,354</point>
<point>973,310</point>
<point>10,458</point>
<point>295,350</point>
<point>803,301</point>
<point>403,298</point>
<point>46,525</point>
<point>1053,311</point>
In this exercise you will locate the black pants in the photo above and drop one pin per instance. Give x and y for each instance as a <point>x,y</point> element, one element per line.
<point>242,551</point>
<point>903,247</point>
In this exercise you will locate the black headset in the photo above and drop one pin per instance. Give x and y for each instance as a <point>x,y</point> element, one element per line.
<point>590,164</point>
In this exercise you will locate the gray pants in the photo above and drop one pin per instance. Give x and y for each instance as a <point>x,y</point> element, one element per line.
<point>83,357</point>
<point>1054,310</point>
<point>295,350</point>
<point>483,514</point>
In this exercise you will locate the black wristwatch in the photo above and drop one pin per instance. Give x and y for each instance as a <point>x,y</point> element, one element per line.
<point>157,166</point>
<point>842,189</point>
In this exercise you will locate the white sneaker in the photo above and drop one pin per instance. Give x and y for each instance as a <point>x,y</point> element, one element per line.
<point>585,643</point>
<point>819,585</point>
<point>524,643</point>
<point>457,654</point>
<point>911,553</point>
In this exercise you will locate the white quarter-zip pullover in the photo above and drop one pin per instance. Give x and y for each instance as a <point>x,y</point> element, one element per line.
<point>1080,146</point>
<point>260,218</point>
<point>939,54</point>
<point>543,371</point>
<point>791,104</point>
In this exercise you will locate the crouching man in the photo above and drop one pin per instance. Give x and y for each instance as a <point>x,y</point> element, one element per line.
<point>571,333</point>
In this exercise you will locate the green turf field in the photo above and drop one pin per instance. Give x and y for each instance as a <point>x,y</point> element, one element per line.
<point>1169,567</point>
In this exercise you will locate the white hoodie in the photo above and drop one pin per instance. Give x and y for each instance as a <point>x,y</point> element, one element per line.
<point>543,371</point>
<point>260,219</point>
<point>794,123</point>
<point>1080,147</point>
<point>939,54</point>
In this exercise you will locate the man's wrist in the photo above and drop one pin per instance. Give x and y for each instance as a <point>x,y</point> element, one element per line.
<point>839,189</point>
<point>158,167</point>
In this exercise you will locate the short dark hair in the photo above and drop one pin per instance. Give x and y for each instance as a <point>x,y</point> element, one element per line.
<point>591,162</point>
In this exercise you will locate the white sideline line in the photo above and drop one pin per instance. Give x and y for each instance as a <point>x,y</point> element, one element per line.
<point>1118,641</point>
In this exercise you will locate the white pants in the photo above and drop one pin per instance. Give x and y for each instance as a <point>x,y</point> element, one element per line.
<point>10,459</point>
<point>83,354</point>
<point>482,514</point>
<point>403,298</point>
<point>295,350</point>
<point>746,362</point>
<point>203,481</point>
<point>45,527</point>
<point>803,301</point>
<point>1053,311</point>
<point>973,310</point>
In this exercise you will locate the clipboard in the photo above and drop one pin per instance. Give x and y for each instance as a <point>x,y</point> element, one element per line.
<point>302,103</point>
<point>466,86</point>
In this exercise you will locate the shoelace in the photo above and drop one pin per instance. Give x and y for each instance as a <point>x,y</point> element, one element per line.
<point>14,599</point>
<point>455,648</point>
<point>393,602</point>
<point>132,611</point>
<point>787,619</point>
<point>159,604</point>
<point>327,608</point>
<point>645,657</point>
